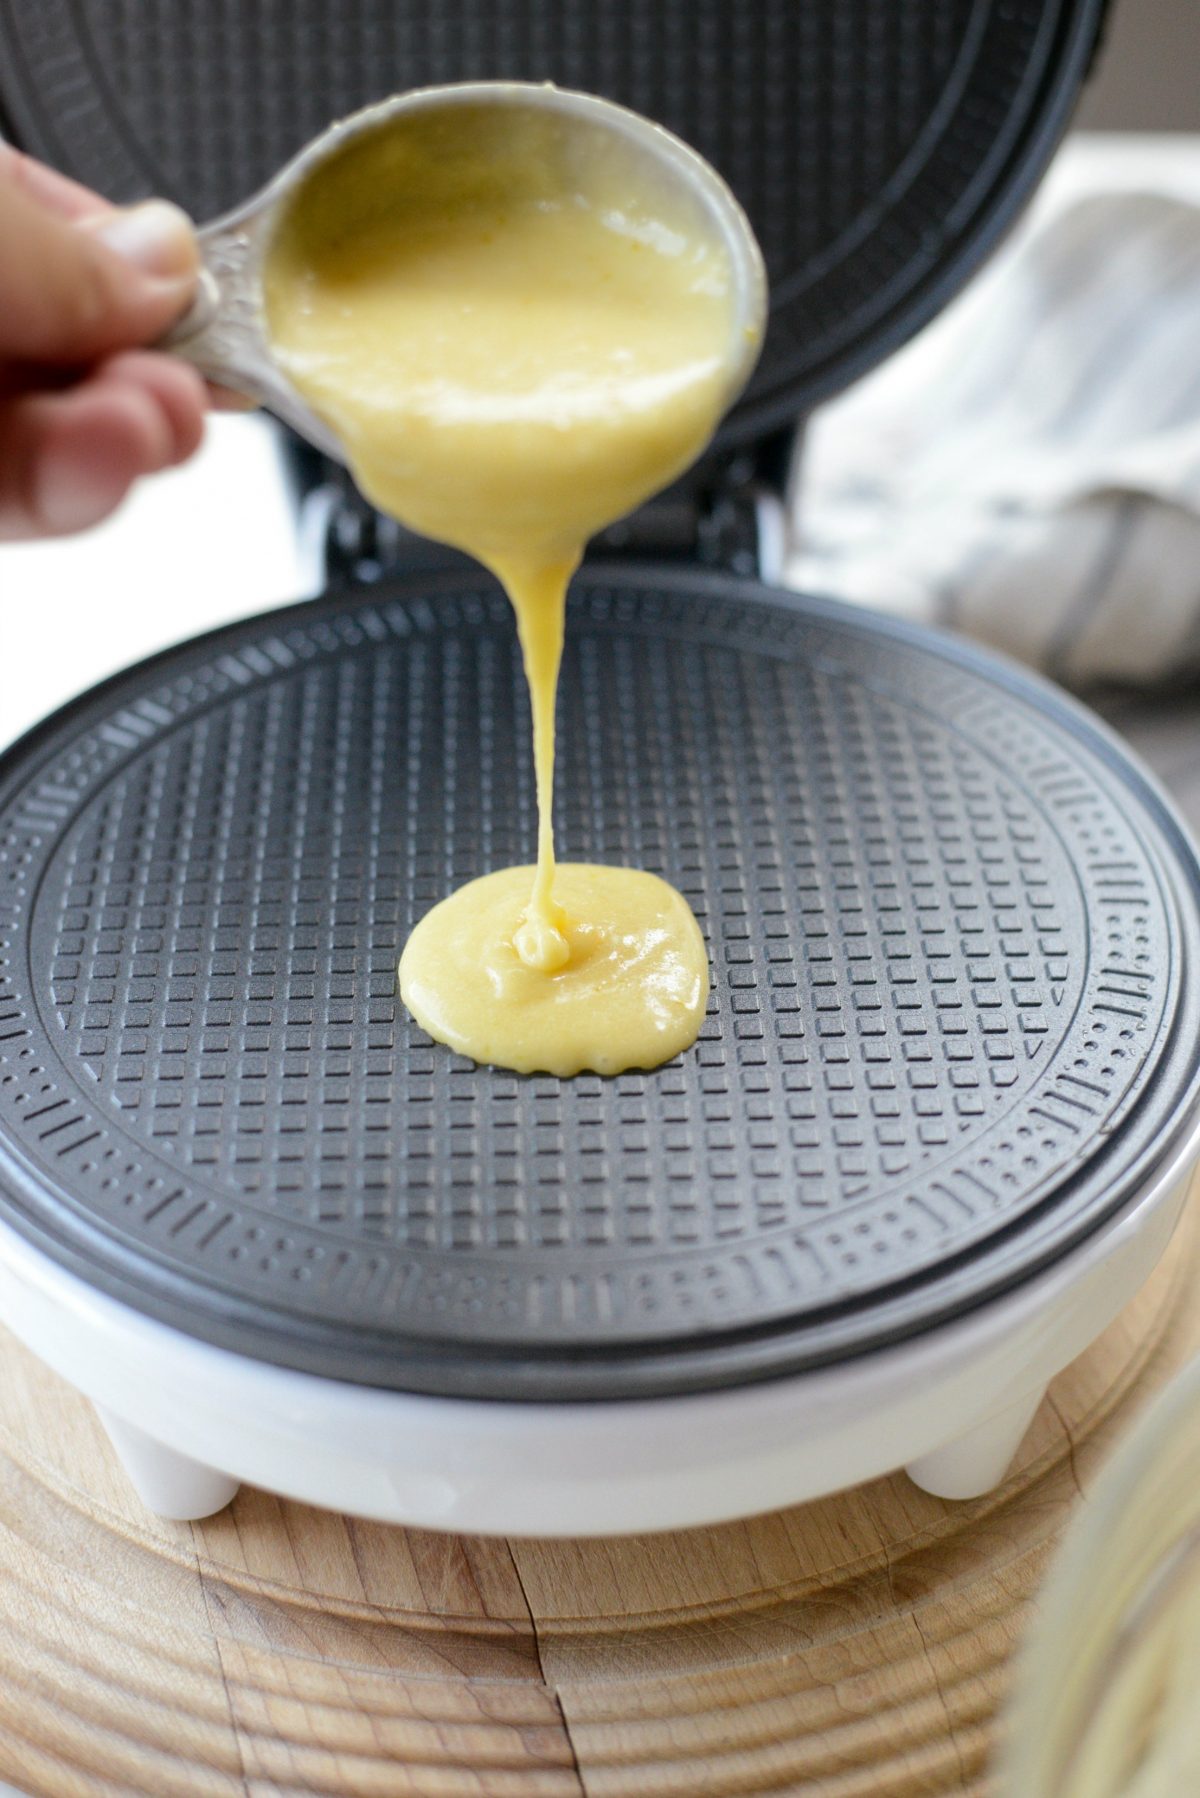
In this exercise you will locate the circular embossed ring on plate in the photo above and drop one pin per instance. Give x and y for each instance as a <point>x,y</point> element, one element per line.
<point>949,1032</point>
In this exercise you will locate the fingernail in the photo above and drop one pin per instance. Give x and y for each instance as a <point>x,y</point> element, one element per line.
<point>156,236</point>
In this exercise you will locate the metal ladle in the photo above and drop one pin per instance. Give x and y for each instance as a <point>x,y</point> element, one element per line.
<point>224,333</point>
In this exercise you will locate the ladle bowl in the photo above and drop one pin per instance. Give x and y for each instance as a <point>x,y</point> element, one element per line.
<point>225,332</point>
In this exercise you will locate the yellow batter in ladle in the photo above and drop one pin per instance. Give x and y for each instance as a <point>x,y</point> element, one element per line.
<point>519,331</point>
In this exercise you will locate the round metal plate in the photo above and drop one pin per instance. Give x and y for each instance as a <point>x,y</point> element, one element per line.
<point>880,146</point>
<point>949,1028</point>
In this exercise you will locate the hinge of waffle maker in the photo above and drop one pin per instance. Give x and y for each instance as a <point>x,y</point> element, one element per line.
<point>729,513</point>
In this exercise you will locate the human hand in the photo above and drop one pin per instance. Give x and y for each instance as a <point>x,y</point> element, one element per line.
<point>85,409</point>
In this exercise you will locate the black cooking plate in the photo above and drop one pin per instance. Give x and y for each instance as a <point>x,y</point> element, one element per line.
<point>953,1020</point>
<point>879,146</point>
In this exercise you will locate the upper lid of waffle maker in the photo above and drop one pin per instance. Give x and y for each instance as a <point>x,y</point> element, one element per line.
<point>953,1024</point>
<point>880,147</point>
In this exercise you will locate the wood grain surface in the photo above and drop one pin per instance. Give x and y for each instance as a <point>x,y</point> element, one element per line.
<point>853,1648</point>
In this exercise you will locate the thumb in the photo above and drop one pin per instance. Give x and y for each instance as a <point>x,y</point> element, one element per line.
<point>72,291</point>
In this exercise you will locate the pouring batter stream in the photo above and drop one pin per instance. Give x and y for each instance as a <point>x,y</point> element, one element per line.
<point>520,333</point>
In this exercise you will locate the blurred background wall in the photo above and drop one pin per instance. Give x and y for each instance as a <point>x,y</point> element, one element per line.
<point>1148,78</point>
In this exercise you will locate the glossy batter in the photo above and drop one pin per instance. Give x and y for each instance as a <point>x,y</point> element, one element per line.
<point>518,340</point>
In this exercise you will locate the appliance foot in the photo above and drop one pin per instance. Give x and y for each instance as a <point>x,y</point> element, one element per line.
<point>169,1484</point>
<point>972,1464</point>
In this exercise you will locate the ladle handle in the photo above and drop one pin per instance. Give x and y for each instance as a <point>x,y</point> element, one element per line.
<point>198,316</point>
<point>222,333</point>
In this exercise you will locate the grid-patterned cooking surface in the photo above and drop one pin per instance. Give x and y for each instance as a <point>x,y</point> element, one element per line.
<point>878,145</point>
<point>946,952</point>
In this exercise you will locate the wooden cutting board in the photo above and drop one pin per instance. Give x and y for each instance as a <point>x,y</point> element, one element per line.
<point>854,1648</point>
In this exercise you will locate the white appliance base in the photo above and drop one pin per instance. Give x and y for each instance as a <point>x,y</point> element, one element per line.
<point>973,1464</point>
<point>168,1483</point>
<point>190,1422</point>
<point>176,1487</point>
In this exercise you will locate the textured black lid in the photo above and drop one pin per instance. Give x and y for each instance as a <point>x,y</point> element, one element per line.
<point>879,146</point>
<point>953,1022</point>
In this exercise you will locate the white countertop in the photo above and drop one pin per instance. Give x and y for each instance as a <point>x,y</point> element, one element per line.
<point>189,550</point>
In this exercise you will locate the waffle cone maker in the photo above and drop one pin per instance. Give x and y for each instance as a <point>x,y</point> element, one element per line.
<point>938,1126</point>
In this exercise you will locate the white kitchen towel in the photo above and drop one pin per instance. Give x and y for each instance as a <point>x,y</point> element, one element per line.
<point>1027,470</point>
